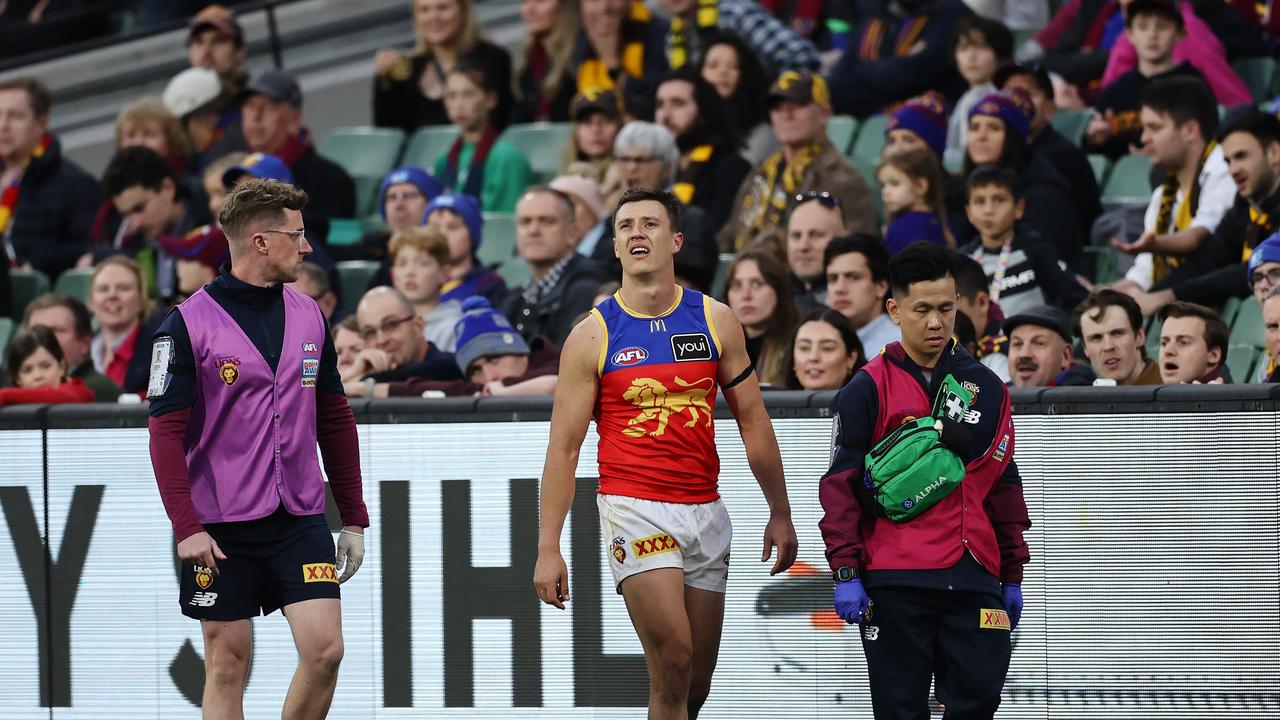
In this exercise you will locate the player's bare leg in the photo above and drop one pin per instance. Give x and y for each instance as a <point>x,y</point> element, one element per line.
<point>227,648</point>
<point>705,610</point>
<point>655,600</point>
<point>317,633</point>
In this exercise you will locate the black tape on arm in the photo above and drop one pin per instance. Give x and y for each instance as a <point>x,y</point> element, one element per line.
<point>738,380</point>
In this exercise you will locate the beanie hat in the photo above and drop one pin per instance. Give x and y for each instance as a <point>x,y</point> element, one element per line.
<point>412,174</point>
<point>206,245</point>
<point>259,165</point>
<point>484,332</point>
<point>925,116</point>
<point>466,208</point>
<point>1268,251</point>
<point>1013,106</point>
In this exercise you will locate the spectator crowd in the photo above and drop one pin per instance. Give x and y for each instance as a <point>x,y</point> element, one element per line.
<point>1106,174</point>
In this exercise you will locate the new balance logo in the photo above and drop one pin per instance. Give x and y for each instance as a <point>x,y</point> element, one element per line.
<point>204,599</point>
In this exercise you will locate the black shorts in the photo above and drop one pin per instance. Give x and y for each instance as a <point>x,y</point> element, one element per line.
<point>271,562</point>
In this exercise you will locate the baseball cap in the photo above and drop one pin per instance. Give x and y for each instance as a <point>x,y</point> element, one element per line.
<point>1033,70</point>
<point>601,100</point>
<point>800,87</point>
<point>259,165</point>
<point>223,23</point>
<point>1168,8</point>
<point>191,90</point>
<point>276,85</point>
<point>1044,316</point>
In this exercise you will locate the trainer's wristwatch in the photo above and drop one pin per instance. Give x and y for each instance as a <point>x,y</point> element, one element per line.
<point>845,574</point>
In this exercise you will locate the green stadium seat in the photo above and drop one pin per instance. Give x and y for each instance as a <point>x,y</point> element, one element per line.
<point>24,286</point>
<point>428,143</point>
<point>1153,339</point>
<point>1229,310</point>
<point>1241,360</point>
<point>514,271</point>
<point>6,332</point>
<point>1247,328</point>
<point>343,232</point>
<point>355,276</point>
<point>721,281</point>
<point>499,239</point>
<point>1101,165</point>
<point>1102,263</point>
<point>75,282</point>
<point>870,140</point>
<point>542,144</point>
<point>840,131</point>
<point>1129,182</point>
<point>367,154</point>
<point>867,168</point>
<point>1259,74</point>
<point>1072,123</point>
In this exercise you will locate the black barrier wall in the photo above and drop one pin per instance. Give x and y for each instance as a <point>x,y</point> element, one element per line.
<point>1154,582</point>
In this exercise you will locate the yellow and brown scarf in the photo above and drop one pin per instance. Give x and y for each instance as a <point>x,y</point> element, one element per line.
<point>687,180</point>
<point>593,73</point>
<point>772,191</point>
<point>706,16</point>
<point>1181,219</point>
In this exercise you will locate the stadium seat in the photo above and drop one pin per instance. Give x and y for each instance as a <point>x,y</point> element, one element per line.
<point>840,131</point>
<point>355,276</point>
<point>75,282</point>
<point>1259,74</point>
<point>870,140</point>
<point>1102,263</point>
<point>721,281</point>
<point>867,168</point>
<point>1241,359</point>
<point>1247,328</point>
<point>1153,339</point>
<point>1101,165</point>
<point>542,144</point>
<point>427,144</point>
<point>1072,123</point>
<point>1229,310</point>
<point>514,271</point>
<point>344,231</point>
<point>367,154</point>
<point>24,286</point>
<point>1129,182</point>
<point>6,331</point>
<point>499,238</point>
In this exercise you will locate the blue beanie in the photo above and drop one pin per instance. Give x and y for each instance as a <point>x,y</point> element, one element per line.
<point>413,175</point>
<point>925,116</point>
<point>1013,106</point>
<point>1268,251</point>
<point>484,332</point>
<point>466,208</point>
<point>259,165</point>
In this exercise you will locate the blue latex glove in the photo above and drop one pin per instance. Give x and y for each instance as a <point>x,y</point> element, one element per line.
<point>1012,596</point>
<point>851,601</point>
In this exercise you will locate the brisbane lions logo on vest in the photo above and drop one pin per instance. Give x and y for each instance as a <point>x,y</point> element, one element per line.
<point>228,368</point>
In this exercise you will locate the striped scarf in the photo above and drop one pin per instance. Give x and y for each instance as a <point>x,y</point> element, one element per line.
<point>706,16</point>
<point>687,181</point>
<point>765,206</point>
<point>873,34</point>
<point>9,198</point>
<point>473,182</point>
<point>1181,220</point>
<point>593,74</point>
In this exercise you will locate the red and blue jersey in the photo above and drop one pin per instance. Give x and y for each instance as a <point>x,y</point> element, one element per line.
<point>654,410</point>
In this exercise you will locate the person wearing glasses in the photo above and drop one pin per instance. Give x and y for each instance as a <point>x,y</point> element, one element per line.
<point>395,346</point>
<point>243,386</point>
<point>799,108</point>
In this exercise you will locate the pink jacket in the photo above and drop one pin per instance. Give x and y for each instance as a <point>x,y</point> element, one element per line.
<point>1201,47</point>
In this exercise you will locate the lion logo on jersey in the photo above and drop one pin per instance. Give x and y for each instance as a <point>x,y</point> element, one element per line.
<point>657,402</point>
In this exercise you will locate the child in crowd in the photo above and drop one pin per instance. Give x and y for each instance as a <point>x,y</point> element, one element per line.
<point>458,217</point>
<point>419,268</point>
<point>1021,268</point>
<point>980,46</point>
<point>37,370</point>
<point>912,189</point>
<point>478,163</point>
<point>1154,27</point>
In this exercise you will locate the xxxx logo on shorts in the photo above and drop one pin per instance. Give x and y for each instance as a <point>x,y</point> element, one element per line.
<point>993,619</point>
<point>204,577</point>
<point>654,544</point>
<point>319,572</point>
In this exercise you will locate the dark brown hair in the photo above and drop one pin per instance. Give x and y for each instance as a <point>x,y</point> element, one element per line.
<point>41,100</point>
<point>773,354</point>
<point>1096,304</point>
<point>78,310</point>
<point>847,334</point>
<point>1216,332</point>
<point>922,164</point>
<point>24,343</point>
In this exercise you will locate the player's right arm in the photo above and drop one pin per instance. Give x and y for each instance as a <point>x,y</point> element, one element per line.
<point>171,392</point>
<point>575,399</point>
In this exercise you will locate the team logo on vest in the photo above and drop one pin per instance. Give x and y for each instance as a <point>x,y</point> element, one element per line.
<point>989,619</point>
<point>654,544</point>
<point>633,355</point>
<point>228,368</point>
<point>689,347</point>
<point>619,549</point>
<point>204,577</point>
<point>319,572</point>
<point>310,347</point>
<point>656,402</point>
<point>972,387</point>
<point>310,370</point>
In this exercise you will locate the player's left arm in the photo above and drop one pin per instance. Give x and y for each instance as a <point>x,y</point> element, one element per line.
<point>741,390</point>
<point>1006,507</point>
<point>340,449</point>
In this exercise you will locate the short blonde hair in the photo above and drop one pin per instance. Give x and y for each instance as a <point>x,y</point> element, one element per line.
<point>424,239</point>
<point>468,35</point>
<point>147,109</point>
<point>134,269</point>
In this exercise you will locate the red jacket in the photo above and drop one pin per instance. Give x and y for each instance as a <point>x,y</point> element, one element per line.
<point>986,515</point>
<point>71,391</point>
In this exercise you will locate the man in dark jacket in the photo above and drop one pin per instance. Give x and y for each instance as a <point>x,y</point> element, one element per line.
<point>562,284</point>
<point>943,588</point>
<point>47,203</point>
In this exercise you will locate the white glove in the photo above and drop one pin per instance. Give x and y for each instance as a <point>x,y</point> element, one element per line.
<point>350,554</point>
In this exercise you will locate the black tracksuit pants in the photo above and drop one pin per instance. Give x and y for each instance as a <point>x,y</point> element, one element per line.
<point>916,634</point>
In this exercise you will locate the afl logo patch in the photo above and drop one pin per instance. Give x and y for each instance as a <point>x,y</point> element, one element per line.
<point>310,347</point>
<point>633,355</point>
<point>690,347</point>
